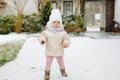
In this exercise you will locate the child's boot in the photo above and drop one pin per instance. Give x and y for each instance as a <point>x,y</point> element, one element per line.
<point>47,75</point>
<point>63,73</point>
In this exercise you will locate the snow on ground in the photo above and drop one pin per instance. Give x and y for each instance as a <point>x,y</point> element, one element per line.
<point>93,29</point>
<point>11,37</point>
<point>85,59</point>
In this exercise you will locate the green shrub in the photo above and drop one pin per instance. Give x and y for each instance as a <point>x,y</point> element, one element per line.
<point>6,24</point>
<point>68,19</point>
<point>73,23</point>
<point>45,13</point>
<point>79,22</point>
<point>31,23</point>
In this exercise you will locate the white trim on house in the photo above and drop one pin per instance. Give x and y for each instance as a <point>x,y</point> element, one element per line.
<point>117,11</point>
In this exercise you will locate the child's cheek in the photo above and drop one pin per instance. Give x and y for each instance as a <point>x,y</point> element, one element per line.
<point>65,46</point>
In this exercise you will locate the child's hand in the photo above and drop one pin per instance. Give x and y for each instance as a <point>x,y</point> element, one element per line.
<point>42,42</point>
<point>65,46</point>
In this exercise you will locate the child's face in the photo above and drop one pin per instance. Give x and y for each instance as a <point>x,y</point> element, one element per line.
<point>56,24</point>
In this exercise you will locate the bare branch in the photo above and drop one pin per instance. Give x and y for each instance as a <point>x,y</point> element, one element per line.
<point>11,11</point>
<point>24,5</point>
<point>77,7</point>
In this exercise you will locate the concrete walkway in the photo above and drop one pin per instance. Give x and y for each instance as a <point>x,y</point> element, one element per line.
<point>102,35</point>
<point>29,64</point>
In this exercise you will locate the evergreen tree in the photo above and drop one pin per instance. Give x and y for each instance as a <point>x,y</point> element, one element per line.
<point>45,12</point>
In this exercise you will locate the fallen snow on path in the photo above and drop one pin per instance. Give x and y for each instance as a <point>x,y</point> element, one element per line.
<point>85,59</point>
<point>11,37</point>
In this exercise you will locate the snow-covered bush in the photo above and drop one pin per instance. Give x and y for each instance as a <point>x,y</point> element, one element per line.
<point>73,23</point>
<point>9,51</point>
<point>6,24</point>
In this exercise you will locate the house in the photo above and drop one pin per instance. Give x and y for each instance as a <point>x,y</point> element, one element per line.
<point>67,7</point>
<point>100,14</point>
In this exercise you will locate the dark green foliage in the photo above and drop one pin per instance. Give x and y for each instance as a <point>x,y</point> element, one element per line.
<point>6,24</point>
<point>31,23</point>
<point>73,20</point>
<point>68,19</point>
<point>79,21</point>
<point>45,13</point>
<point>73,23</point>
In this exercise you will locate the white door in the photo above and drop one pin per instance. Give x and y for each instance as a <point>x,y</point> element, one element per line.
<point>95,15</point>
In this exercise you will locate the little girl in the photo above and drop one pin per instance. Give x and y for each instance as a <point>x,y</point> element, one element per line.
<point>56,39</point>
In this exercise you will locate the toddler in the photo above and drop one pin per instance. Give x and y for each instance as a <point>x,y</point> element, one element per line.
<point>56,39</point>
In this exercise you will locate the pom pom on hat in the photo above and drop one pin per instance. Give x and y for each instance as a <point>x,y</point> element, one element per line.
<point>55,15</point>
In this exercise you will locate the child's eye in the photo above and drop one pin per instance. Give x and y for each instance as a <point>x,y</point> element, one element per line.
<point>53,21</point>
<point>58,22</point>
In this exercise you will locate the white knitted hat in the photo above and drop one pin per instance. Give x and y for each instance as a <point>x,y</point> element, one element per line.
<point>55,15</point>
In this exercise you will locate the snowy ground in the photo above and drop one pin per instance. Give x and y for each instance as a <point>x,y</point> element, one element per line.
<point>85,59</point>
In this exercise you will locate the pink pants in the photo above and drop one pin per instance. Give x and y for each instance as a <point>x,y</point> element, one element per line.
<point>49,60</point>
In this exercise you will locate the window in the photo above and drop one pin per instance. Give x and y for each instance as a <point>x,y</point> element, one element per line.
<point>68,8</point>
<point>2,4</point>
<point>54,4</point>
